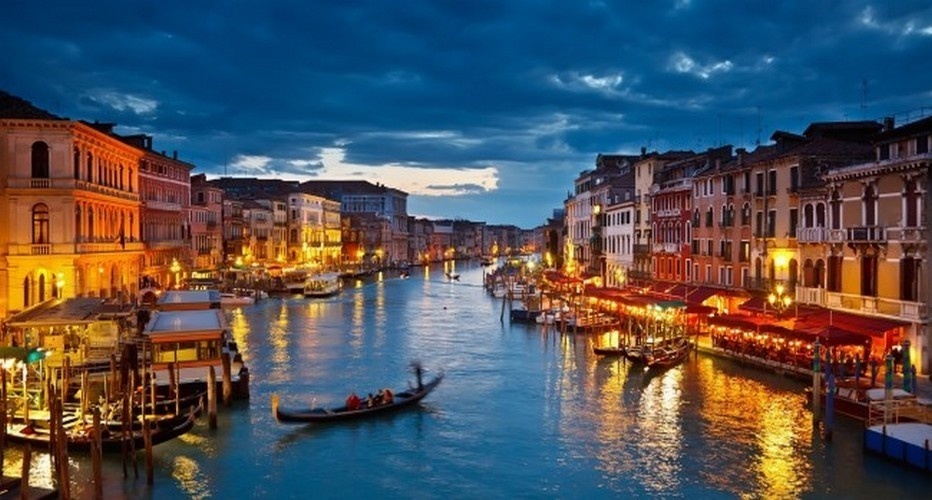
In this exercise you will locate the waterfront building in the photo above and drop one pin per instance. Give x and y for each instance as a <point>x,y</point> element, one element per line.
<point>645,168</point>
<point>364,236</point>
<point>672,214</point>
<point>69,199</point>
<point>258,230</point>
<point>582,250</point>
<point>878,239</point>
<point>233,229</point>
<point>440,247</point>
<point>314,231</point>
<point>419,231</point>
<point>206,230</point>
<point>618,237</point>
<point>165,204</point>
<point>364,197</point>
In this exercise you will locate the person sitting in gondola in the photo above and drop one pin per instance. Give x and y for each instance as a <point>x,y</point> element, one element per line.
<point>387,396</point>
<point>370,400</point>
<point>352,402</point>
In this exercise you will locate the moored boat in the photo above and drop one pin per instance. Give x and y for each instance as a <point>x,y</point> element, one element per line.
<point>80,437</point>
<point>399,400</point>
<point>323,285</point>
<point>610,351</point>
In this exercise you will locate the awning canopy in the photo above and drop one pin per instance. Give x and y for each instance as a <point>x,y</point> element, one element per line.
<point>700,294</point>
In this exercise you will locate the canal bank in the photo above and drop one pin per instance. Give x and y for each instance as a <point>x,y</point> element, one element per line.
<point>522,413</point>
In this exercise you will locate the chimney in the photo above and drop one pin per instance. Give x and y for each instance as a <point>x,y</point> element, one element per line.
<point>175,154</point>
<point>643,150</point>
<point>888,123</point>
<point>741,152</point>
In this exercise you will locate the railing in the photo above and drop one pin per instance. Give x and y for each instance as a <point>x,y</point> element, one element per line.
<point>40,183</point>
<point>670,212</point>
<point>835,235</point>
<point>811,235</point>
<point>642,248</point>
<point>867,234</point>
<point>167,206</point>
<point>105,247</point>
<point>906,234</point>
<point>41,249</point>
<point>893,308</point>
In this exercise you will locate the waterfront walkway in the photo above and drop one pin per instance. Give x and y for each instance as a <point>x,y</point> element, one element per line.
<point>922,384</point>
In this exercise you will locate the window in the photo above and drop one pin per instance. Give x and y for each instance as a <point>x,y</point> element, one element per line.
<point>911,199</point>
<point>772,183</point>
<point>909,279</point>
<point>759,191</point>
<point>744,252</point>
<point>869,275</point>
<point>834,273</point>
<point>836,209</point>
<point>870,206</point>
<point>794,221</point>
<point>89,165</point>
<point>759,224</point>
<point>40,160</point>
<point>922,145</point>
<point>794,179</point>
<point>77,164</point>
<point>40,224</point>
<point>772,224</point>
<point>883,152</point>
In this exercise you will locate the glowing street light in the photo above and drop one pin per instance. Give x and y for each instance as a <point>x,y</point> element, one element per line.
<point>779,300</point>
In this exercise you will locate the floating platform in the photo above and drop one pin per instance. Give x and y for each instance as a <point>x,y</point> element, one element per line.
<point>906,443</point>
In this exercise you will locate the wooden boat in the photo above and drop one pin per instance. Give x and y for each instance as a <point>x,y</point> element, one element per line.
<point>610,351</point>
<point>236,299</point>
<point>401,399</point>
<point>79,437</point>
<point>855,400</point>
<point>668,355</point>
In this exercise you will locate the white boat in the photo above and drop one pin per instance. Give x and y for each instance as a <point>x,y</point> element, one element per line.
<point>322,285</point>
<point>236,299</point>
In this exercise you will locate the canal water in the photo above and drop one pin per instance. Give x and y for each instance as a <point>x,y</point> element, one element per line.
<point>522,413</point>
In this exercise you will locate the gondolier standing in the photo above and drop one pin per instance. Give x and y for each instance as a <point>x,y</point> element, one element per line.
<point>417,372</point>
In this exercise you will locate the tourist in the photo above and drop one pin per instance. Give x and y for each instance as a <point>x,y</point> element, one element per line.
<point>352,402</point>
<point>387,396</point>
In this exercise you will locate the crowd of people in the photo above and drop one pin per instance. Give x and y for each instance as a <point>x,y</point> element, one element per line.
<point>383,397</point>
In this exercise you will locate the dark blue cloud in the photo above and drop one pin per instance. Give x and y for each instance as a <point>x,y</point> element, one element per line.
<point>534,88</point>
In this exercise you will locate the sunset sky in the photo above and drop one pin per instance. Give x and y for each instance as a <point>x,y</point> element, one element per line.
<point>479,109</point>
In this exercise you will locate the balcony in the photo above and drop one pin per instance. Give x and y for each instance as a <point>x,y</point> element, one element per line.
<point>108,247</point>
<point>907,234</point>
<point>670,212</point>
<point>882,306</point>
<point>642,249</point>
<point>166,206</point>
<point>867,234</point>
<point>667,247</point>
<point>811,235</point>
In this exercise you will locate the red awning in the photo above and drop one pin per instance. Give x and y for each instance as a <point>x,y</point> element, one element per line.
<point>754,304</point>
<point>699,295</point>
<point>661,287</point>
<point>678,292</point>
<point>872,326</point>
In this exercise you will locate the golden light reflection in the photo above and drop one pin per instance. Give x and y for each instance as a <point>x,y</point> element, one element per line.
<point>190,478</point>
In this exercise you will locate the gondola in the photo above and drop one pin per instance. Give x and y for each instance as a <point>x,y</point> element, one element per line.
<point>401,399</point>
<point>112,441</point>
<point>610,351</point>
<point>669,355</point>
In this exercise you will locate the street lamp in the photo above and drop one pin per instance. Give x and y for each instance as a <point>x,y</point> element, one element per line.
<point>779,300</point>
<point>175,269</point>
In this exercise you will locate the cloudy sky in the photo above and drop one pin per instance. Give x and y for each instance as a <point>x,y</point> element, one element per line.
<point>479,109</point>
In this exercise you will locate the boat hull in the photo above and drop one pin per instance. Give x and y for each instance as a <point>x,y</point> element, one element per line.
<point>402,399</point>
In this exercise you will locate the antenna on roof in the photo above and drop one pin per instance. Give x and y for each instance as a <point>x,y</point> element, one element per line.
<point>864,89</point>
<point>759,129</point>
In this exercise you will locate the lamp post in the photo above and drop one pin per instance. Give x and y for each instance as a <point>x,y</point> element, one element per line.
<point>779,300</point>
<point>175,269</point>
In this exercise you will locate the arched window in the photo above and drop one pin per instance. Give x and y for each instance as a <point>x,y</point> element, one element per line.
<point>41,288</point>
<point>40,160</point>
<point>121,178</point>
<point>77,223</point>
<point>26,294</point>
<point>77,164</point>
<point>40,224</point>
<point>90,224</point>
<point>820,215</point>
<point>90,167</point>
<point>807,216</point>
